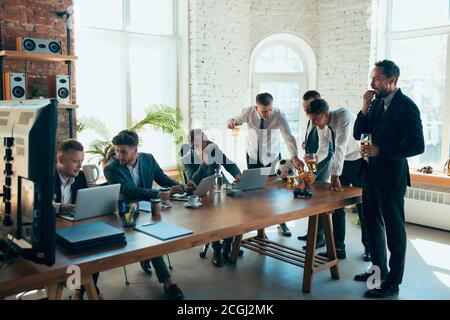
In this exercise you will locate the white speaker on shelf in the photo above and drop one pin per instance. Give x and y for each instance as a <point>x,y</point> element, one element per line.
<point>36,45</point>
<point>59,88</point>
<point>14,86</point>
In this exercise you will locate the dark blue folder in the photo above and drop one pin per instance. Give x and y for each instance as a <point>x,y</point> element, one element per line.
<point>88,233</point>
<point>163,230</point>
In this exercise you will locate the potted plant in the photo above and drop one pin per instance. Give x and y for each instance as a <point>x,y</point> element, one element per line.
<point>160,117</point>
<point>38,93</point>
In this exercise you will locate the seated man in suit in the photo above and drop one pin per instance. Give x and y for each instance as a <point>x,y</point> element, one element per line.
<point>202,158</point>
<point>136,171</point>
<point>68,180</point>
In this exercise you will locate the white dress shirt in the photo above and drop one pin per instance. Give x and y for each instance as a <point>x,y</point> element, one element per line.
<point>66,191</point>
<point>270,145</point>
<point>135,172</point>
<point>324,147</point>
<point>341,121</point>
<point>388,99</point>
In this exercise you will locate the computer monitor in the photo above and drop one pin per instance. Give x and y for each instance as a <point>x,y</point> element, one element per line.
<point>27,165</point>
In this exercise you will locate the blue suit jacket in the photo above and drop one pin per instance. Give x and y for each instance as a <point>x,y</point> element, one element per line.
<point>149,171</point>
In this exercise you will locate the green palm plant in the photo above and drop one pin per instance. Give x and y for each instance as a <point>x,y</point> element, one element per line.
<point>159,117</point>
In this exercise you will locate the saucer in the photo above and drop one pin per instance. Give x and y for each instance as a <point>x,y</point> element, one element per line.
<point>199,204</point>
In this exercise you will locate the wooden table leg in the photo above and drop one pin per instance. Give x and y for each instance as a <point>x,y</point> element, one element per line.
<point>54,291</point>
<point>310,253</point>
<point>235,249</point>
<point>89,286</point>
<point>329,238</point>
<point>262,233</point>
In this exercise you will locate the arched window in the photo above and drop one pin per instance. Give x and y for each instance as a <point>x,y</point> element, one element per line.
<point>285,66</point>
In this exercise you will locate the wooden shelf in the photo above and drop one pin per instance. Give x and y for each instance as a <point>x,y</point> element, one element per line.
<point>34,101</point>
<point>67,106</point>
<point>434,179</point>
<point>38,57</point>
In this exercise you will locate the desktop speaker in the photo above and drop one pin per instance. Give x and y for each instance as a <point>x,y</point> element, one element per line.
<point>14,86</point>
<point>59,88</point>
<point>38,45</point>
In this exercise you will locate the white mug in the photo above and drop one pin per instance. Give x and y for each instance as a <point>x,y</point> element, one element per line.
<point>92,173</point>
<point>193,200</point>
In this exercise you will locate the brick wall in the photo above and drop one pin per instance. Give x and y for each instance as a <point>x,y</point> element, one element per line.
<point>344,51</point>
<point>223,34</point>
<point>33,18</point>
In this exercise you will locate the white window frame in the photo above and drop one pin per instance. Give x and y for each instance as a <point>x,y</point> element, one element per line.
<point>306,79</point>
<point>181,35</point>
<point>385,36</point>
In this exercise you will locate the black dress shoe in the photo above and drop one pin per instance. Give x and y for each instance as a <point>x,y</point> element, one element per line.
<point>174,293</point>
<point>341,254</point>
<point>366,255</point>
<point>303,238</point>
<point>319,244</point>
<point>284,230</point>
<point>362,277</point>
<point>383,292</point>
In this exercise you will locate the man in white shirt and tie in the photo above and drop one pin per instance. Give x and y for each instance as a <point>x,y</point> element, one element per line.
<point>263,143</point>
<point>345,165</point>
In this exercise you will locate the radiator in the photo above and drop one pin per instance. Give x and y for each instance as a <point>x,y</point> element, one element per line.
<point>428,208</point>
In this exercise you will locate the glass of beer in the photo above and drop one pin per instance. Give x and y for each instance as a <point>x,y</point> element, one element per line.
<point>366,140</point>
<point>235,130</point>
<point>311,162</point>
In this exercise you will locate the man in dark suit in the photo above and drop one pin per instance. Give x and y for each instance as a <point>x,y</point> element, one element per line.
<point>136,171</point>
<point>394,122</point>
<point>68,180</point>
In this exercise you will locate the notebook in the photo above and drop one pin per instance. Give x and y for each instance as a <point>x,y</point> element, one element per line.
<point>88,233</point>
<point>163,230</point>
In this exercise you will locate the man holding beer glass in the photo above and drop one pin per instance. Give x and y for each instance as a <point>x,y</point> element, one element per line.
<point>393,122</point>
<point>265,124</point>
<point>345,163</point>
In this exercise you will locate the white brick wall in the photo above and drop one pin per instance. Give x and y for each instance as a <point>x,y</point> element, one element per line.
<point>344,51</point>
<point>224,32</point>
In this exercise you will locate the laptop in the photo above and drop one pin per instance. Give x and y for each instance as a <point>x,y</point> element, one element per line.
<point>94,202</point>
<point>202,189</point>
<point>253,179</point>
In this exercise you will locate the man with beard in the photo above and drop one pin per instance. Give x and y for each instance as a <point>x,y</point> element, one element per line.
<point>393,120</point>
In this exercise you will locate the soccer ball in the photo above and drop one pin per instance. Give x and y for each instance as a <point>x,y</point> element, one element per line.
<point>284,168</point>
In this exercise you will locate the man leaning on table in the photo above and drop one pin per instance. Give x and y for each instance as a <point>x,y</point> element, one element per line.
<point>136,171</point>
<point>346,161</point>
<point>263,142</point>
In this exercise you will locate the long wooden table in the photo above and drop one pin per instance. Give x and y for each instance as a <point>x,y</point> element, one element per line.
<point>221,216</point>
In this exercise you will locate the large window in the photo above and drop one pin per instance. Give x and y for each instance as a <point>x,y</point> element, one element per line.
<point>281,67</point>
<point>127,60</point>
<point>417,37</point>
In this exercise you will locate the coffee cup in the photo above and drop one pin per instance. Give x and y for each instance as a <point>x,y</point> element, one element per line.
<point>156,207</point>
<point>193,201</point>
<point>92,173</point>
<point>164,194</point>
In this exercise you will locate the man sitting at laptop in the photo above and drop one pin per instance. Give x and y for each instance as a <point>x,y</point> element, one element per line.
<point>202,158</point>
<point>68,180</point>
<point>136,171</point>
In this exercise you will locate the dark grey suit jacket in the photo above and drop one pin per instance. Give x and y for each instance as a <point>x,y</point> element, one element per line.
<point>399,134</point>
<point>149,171</point>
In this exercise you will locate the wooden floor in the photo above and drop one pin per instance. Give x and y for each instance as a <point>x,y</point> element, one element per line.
<point>427,274</point>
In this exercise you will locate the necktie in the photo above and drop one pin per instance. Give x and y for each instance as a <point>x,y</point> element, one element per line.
<point>260,139</point>
<point>333,141</point>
